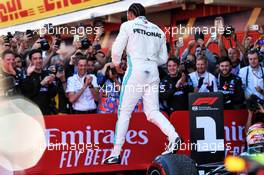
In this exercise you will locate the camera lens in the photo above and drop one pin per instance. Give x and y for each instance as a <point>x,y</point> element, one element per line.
<point>85,43</point>
<point>44,45</point>
<point>60,69</point>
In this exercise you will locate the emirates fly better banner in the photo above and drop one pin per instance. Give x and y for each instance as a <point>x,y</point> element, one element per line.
<point>13,12</point>
<point>79,143</point>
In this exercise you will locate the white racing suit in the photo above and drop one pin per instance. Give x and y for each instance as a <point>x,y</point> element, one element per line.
<point>146,49</point>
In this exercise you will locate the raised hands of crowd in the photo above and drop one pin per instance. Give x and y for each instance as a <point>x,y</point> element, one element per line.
<point>191,43</point>
<point>210,87</point>
<point>247,42</point>
<point>88,81</point>
<point>200,42</point>
<point>30,69</point>
<point>37,44</point>
<point>23,44</point>
<point>9,68</point>
<point>182,81</point>
<point>209,41</point>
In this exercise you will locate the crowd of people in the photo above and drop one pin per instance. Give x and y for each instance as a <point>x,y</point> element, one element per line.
<point>83,80</point>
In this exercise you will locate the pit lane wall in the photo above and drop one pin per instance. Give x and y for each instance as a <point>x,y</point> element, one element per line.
<point>79,143</point>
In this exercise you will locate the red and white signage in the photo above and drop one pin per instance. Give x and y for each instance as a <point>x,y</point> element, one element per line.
<point>79,143</point>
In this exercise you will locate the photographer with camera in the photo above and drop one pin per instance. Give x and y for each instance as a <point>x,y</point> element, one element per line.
<point>25,43</point>
<point>200,49</point>
<point>39,85</point>
<point>71,66</point>
<point>175,87</point>
<point>7,41</point>
<point>11,42</point>
<point>236,54</point>
<point>189,63</point>
<point>42,44</point>
<point>82,89</point>
<point>84,47</point>
<point>48,51</point>
<point>111,85</point>
<point>52,51</point>
<point>57,68</point>
<point>233,53</point>
<point>230,85</point>
<point>101,74</point>
<point>252,76</point>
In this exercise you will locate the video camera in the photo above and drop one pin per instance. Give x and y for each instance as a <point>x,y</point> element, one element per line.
<point>44,44</point>
<point>59,68</point>
<point>8,37</point>
<point>56,68</point>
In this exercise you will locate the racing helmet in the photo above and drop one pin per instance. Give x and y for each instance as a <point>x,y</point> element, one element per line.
<point>255,135</point>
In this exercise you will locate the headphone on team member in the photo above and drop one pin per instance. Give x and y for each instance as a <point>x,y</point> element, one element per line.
<point>251,52</point>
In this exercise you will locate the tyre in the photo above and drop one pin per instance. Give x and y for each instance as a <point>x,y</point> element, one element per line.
<point>172,164</point>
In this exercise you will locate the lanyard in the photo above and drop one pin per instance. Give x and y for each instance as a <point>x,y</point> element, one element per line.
<point>256,74</point>
<point>262,77</point>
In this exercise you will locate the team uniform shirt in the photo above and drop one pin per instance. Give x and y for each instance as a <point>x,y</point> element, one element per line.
<point>175,98</point>
<point>142,33</point>
<point>251,79</point>
<point>86,100</point>
<point>40,94</point>
<point>231,87</point>
<point>209,81</point>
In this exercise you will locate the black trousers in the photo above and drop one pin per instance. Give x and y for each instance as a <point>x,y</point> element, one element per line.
<point>93,111</point>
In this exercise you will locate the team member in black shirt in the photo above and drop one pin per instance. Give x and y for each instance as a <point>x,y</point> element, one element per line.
<point>39,85</point>
<point>175,87</point>
<point>230,85</point>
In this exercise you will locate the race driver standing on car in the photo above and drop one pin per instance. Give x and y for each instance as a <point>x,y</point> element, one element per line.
<point>145,45</point>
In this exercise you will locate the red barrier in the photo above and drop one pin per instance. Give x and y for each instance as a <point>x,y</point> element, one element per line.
<point>180,120</point>
<point>235,122</point>
<point>144,141</point>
